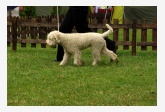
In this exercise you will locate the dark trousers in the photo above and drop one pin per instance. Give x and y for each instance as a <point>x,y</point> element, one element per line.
<point>76,16</point>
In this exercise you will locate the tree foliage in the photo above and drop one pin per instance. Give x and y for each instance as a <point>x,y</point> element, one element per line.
<point>28,11</point>
<point>61,10</point>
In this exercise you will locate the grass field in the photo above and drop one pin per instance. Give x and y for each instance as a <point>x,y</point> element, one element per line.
<point>33,79</point>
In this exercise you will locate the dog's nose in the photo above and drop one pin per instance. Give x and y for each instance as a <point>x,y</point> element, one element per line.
<point>117,60</point>
<point>53,46</point>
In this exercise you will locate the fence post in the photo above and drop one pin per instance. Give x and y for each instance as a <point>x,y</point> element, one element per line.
<point>154,36</point>
<point>23,31</point>
<point>126,34</point>
<point>144,35</point>
<point>116,32</point>
<point>14,33</point>
<point>8,30</point>
<point>43,32</point>
<point>33,32</point>
<point>105,21</point>
<point>94,22</point>
<point>134,22</point>
<point>53,21</point>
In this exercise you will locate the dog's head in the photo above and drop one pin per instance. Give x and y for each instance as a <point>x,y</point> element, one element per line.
<point>53,38</point>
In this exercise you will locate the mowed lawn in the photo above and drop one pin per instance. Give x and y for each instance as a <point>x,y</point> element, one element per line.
<point>33,79</point>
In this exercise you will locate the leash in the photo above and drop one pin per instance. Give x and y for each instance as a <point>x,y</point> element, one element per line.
<point>106,12</point>
<point>57,19</point>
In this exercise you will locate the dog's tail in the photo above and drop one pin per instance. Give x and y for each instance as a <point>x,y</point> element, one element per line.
<point>105,34</point>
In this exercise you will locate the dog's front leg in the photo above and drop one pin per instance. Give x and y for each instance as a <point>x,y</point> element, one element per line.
<point>77,58</point>
<point>66,58</point>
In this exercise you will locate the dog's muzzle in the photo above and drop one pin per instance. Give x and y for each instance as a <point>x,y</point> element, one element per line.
<point>50,44</point>
<point>54,46</point>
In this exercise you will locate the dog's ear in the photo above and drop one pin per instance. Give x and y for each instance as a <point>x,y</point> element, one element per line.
<point>58,37</point>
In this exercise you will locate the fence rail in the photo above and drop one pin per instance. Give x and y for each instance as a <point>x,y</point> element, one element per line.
<point>26,30</point>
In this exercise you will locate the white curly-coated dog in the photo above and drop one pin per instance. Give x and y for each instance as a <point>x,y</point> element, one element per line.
<point>74,43</point>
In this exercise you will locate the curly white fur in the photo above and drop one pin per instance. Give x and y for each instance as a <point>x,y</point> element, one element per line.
<point>74,43</point>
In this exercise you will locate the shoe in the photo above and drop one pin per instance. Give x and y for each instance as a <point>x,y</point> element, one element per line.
<point>57,60</point>
<point>115,51</point>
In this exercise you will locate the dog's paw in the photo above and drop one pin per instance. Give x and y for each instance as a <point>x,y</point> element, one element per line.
<point>81,62</point>
<point>61,64</point>
<point>114,58</point>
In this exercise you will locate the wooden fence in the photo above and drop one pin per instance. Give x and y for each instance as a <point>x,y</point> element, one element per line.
<point>26,30</point>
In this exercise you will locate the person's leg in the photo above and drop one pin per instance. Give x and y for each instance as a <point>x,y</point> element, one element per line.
<point>80,20</point>
<point>81,23</point>
<point>111,45</point>
<point>66,27</point>
<point>67,24</point>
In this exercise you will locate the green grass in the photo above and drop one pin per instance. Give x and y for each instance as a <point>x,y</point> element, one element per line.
<point>33,79</point>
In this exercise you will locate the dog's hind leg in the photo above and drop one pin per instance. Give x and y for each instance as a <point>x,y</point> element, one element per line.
<point>66,58</point>
<point>110,54</point>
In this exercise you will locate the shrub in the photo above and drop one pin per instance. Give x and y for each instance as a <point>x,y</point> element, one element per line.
<point>28,11</point>
<point>61,10</point>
